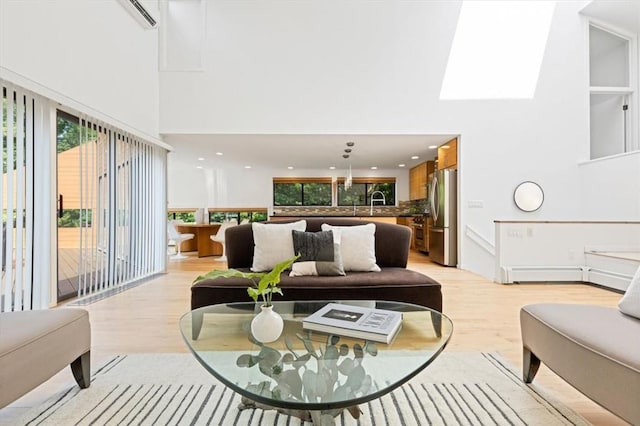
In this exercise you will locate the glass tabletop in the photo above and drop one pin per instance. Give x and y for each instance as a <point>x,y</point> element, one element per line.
<point>309,370</point>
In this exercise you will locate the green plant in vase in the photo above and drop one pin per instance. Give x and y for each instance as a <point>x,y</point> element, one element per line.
<point>265,284</point>
<point>267,325</point>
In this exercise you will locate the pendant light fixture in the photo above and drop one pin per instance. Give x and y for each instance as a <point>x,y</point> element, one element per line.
<point>348,180</point>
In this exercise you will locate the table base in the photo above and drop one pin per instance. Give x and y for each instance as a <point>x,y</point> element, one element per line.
<point>317,417</point>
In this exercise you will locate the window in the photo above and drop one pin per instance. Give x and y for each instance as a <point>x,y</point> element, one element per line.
<point>186,217</point>
<point>360,192</point>
<point>218,216</point>
<point>503,42</point>
<point>239,216</point>
<point>302,191</point>
<point>612,94</point>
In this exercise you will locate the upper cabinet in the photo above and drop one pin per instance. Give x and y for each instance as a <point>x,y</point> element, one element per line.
<point>418,182</point>
<point>418,177</point>
<point>448,155</point>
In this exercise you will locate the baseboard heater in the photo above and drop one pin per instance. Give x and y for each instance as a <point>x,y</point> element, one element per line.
<point>514,274</point>
<point>609,279</point>
<point>572,273</point>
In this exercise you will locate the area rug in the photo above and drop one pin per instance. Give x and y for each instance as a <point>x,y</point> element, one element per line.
<point>459,388</point>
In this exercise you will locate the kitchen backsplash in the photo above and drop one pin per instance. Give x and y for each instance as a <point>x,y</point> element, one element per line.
<point>404,207</point>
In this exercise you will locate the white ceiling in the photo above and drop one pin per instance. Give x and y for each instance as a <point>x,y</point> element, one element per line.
<point>307,151</point>
<point>624,14</point>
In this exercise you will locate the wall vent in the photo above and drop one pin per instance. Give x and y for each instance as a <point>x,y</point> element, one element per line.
<point>140,13</point>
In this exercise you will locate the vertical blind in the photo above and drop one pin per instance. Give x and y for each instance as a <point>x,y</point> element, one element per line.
<point>121,199</point>
<point>16,197</point>
<point>121,189</point>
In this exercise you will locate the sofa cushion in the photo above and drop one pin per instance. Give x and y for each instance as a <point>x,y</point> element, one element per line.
<point>393,284</point>
<point>630,302</point>
<point>358,246</point>
<point>319,253</point>
<point>273,243</point>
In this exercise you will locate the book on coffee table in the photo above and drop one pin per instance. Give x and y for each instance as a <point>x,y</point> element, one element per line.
<point>378,325</point>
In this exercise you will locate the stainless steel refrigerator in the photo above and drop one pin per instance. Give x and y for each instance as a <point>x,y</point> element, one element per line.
<point>443,236</point>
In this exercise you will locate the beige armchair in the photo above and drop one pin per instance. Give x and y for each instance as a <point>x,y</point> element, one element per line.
<point>35,345</point>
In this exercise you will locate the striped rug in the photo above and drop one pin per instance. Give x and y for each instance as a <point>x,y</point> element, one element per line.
<point>173,389</point>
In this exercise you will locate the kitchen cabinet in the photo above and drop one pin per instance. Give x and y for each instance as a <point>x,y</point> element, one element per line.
<point>448,155</point>
<point>418,180</point>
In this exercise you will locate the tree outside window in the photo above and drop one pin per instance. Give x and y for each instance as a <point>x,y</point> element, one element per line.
<point>360,193</point>
<point>302,193</point>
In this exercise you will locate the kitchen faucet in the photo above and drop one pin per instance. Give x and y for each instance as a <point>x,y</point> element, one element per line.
<point>373,199</point>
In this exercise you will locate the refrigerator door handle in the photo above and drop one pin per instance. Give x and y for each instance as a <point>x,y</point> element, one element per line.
<point>432,198</point>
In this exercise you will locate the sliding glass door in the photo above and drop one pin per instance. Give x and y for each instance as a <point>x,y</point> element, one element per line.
<point>82,238</point>
<point>111,207</point>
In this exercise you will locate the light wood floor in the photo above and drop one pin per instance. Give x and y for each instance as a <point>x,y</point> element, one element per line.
<point>485,317</point>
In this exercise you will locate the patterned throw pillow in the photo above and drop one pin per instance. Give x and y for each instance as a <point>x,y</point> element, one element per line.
<point>319,253</point>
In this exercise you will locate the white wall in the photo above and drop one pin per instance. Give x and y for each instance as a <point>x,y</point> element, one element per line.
<point>225,184</point>
<point>609,188</point>
<point>377,67</point>
<point>564,251</point>
<point>90,51</point>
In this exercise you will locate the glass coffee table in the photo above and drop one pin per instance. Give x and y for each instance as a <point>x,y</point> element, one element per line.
<point>307,374</point>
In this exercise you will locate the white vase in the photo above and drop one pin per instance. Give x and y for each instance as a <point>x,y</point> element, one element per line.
<point>267,326</point>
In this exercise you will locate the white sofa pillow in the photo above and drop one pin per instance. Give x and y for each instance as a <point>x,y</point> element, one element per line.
<point>630,302</point>
<point>358,245</point>
<point>273,243</point>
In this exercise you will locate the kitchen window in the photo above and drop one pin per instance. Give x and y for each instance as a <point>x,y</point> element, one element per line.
<point>302,191</point>
<point>362,188</point>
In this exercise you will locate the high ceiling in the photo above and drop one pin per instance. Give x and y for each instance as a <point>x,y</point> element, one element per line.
<point>307,151</point>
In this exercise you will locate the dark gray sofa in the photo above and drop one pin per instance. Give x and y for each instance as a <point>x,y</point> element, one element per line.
<point>394,283</point>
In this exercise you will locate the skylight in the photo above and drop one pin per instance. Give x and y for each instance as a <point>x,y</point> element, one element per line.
<point>497,49</point>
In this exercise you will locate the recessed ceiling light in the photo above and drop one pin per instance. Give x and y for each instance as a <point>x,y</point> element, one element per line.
<point>200,158</point>
<point>290,167</point>
<point>218,153</point>
<point>247,167</point>
<point>332,167</point>
<point>433,146</point>
<point>414,157</point>
<point>374,168</point>
<point>199,167</point>
<point>401,165</point>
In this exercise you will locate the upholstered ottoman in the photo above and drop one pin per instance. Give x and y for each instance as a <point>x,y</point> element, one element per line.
<point>35,345</point>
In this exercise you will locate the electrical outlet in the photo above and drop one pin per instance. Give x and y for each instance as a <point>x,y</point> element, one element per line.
<point>516,233</point>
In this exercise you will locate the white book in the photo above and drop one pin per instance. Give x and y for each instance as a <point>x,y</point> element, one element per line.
<point>378,325</point>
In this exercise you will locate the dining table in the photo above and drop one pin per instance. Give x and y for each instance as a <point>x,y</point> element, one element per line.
<point>202,242</point>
